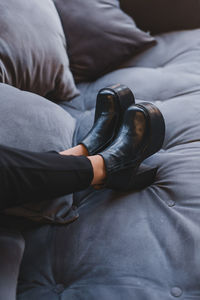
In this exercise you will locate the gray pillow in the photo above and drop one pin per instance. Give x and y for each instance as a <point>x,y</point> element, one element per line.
<point>33,49</point>
<point>30,122</point>
<point>162,16</point>
<point>100,36</point>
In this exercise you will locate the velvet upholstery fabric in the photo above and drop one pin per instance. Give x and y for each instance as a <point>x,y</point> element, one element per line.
<point>143,244</point>
<point>11,252</point>
<point>30,122</point>
<point>163,16</point>
<point>33,49</point>
<point>100,36</point>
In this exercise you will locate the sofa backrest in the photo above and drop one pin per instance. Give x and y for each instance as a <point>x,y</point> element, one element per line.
<point>159,16</point>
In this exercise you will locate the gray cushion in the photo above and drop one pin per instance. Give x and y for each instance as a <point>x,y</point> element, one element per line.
<point>33,49</point>
<point>168,69</point>
<point>100,36</point>
<point>161,16</point>
<point>144,244</point>
<point>33,123</point>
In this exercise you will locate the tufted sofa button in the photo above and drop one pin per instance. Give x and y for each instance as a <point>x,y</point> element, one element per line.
<point>176,291</point>
<point>171,203</point>
<point>59,288</point>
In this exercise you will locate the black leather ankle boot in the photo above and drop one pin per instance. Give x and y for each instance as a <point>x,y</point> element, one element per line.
<point>111,105</point>
<point>141,135</point>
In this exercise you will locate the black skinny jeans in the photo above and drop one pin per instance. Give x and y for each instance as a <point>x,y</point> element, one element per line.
<point>29,176</point>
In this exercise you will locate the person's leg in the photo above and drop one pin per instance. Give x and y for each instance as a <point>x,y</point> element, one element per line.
<point>27,176</point>
<point>11,252</point>
<point>30,176</point>
<point>97,162</point>
<point>77,151</point>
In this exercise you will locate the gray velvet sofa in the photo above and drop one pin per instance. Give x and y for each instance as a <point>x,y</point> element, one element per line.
<point>142,245</point>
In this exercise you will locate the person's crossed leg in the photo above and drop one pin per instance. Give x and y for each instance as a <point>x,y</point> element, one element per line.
<point>123,135</point>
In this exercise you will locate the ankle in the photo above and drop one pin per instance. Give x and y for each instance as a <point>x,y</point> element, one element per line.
<point>78,150</point>
<point>99,169</point>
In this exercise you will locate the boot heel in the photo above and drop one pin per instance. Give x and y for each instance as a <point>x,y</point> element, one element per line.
<point>156,128</point>
<point>127,180</point>
<point>122,95</point>
<point>144,177</point>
